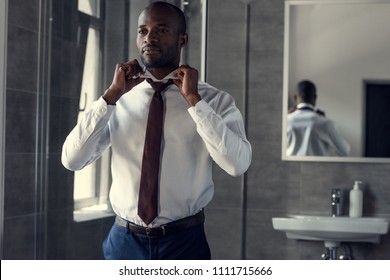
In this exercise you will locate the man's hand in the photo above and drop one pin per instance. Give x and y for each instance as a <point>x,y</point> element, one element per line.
<point>126,77</point>
<point>320,112</point>
<point>187,83</point>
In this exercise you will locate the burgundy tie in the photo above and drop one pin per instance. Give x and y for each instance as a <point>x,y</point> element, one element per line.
<point>148,192</point>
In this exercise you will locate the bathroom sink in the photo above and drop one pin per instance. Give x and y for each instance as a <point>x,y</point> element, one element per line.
<point>332,230</point>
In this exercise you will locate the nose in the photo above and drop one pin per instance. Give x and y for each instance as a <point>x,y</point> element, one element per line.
<point>151,37</point>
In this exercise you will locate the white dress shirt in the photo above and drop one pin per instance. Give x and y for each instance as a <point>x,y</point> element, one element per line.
<point>311,134</point>
<point>213,129</point>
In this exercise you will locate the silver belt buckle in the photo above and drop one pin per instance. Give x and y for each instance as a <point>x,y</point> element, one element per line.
<point>163,229</point>
<point>148,230</point>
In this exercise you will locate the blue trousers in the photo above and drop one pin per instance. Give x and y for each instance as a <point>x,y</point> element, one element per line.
<point>189,244</point>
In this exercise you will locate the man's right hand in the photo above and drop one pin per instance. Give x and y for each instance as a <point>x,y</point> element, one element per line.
<point>126,77</point>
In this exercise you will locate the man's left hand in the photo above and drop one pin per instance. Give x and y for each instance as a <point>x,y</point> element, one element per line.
<point>187,83</point>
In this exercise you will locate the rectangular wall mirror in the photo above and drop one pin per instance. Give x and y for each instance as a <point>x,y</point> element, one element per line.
<point>343,47</point>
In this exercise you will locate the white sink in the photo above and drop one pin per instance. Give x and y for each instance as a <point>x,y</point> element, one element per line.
<point>332,230</point>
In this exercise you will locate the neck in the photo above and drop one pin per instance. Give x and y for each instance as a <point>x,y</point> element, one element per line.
<point>161,73</point>
<point>307,105</point>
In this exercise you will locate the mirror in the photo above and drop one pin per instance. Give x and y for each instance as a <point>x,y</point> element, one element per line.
<point>343,47</point>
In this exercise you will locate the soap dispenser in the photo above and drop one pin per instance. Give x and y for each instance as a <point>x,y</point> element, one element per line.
<point>356,200</point>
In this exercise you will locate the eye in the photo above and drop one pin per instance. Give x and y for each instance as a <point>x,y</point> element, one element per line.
<point>142,31</point>
<point>163,30</point>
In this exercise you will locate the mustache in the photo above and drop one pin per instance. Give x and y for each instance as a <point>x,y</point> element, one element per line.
<point>149,47</point>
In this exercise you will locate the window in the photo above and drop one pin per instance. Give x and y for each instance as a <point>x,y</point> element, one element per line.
<point>90,7</point>
<point>91,184</point>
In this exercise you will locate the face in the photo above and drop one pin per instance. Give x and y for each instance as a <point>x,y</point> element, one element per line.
<point>158,39</point>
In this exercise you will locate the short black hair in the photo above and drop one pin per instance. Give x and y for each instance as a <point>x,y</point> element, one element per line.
<point>182,28</point>
<point>307,91</point>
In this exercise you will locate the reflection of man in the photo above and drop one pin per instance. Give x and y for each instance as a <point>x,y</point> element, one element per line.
<point>309,132</point>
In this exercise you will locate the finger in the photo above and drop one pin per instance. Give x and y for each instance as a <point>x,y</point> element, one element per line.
<point>136,81</point>
<point>132,69</point>
<point>124,68</point>
<point>131,62</point>
<point>181,70</point>
<point>184,70</point>
<point>184,67</point>
<point>119,70</point>
<point>177,83</point>
<point>180,73</point>
<point>134,65</point>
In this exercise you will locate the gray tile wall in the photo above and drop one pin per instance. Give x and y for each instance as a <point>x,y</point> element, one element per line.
<point>274,187</point>
<point>19,194</point>
<point>38,219</point>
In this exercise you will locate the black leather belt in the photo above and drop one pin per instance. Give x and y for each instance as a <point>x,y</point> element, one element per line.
<point>170,228</point>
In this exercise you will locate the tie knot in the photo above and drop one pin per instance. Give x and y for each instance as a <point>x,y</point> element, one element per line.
<point>159,86</point>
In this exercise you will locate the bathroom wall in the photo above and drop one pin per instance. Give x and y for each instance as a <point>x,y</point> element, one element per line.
<point>38,208</point>
<point>19,196</point>
<point>274,187</point>
<point>38,211</point>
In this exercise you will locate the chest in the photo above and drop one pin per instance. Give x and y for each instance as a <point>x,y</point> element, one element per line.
<point>129,120</point>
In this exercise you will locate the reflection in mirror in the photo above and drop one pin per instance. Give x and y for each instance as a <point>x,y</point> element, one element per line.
<point>343,48</point>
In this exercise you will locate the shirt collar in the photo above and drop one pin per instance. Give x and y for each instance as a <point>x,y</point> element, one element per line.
<point>170,76</point>
<point>305,105</point>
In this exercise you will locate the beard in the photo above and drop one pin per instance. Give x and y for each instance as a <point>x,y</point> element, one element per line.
<point>168,56</point>
<point>161,62</point>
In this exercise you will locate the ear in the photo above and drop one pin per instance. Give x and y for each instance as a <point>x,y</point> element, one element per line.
<point>183,40</point>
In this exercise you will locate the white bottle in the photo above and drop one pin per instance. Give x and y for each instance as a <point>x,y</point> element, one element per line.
<point>356,200</point>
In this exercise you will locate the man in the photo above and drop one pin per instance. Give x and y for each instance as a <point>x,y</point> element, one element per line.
<point>201,124</point>
<point>309,132</point>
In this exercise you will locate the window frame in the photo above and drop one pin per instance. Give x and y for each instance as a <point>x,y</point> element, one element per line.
<point>97,205</point>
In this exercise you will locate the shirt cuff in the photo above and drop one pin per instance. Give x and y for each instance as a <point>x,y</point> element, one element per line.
<point>200,111</point>
<point>101,108</point>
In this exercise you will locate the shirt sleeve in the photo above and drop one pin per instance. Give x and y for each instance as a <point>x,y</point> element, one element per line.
<point>89,138</point>
<point>339,144</point>
<point>224,136</point>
